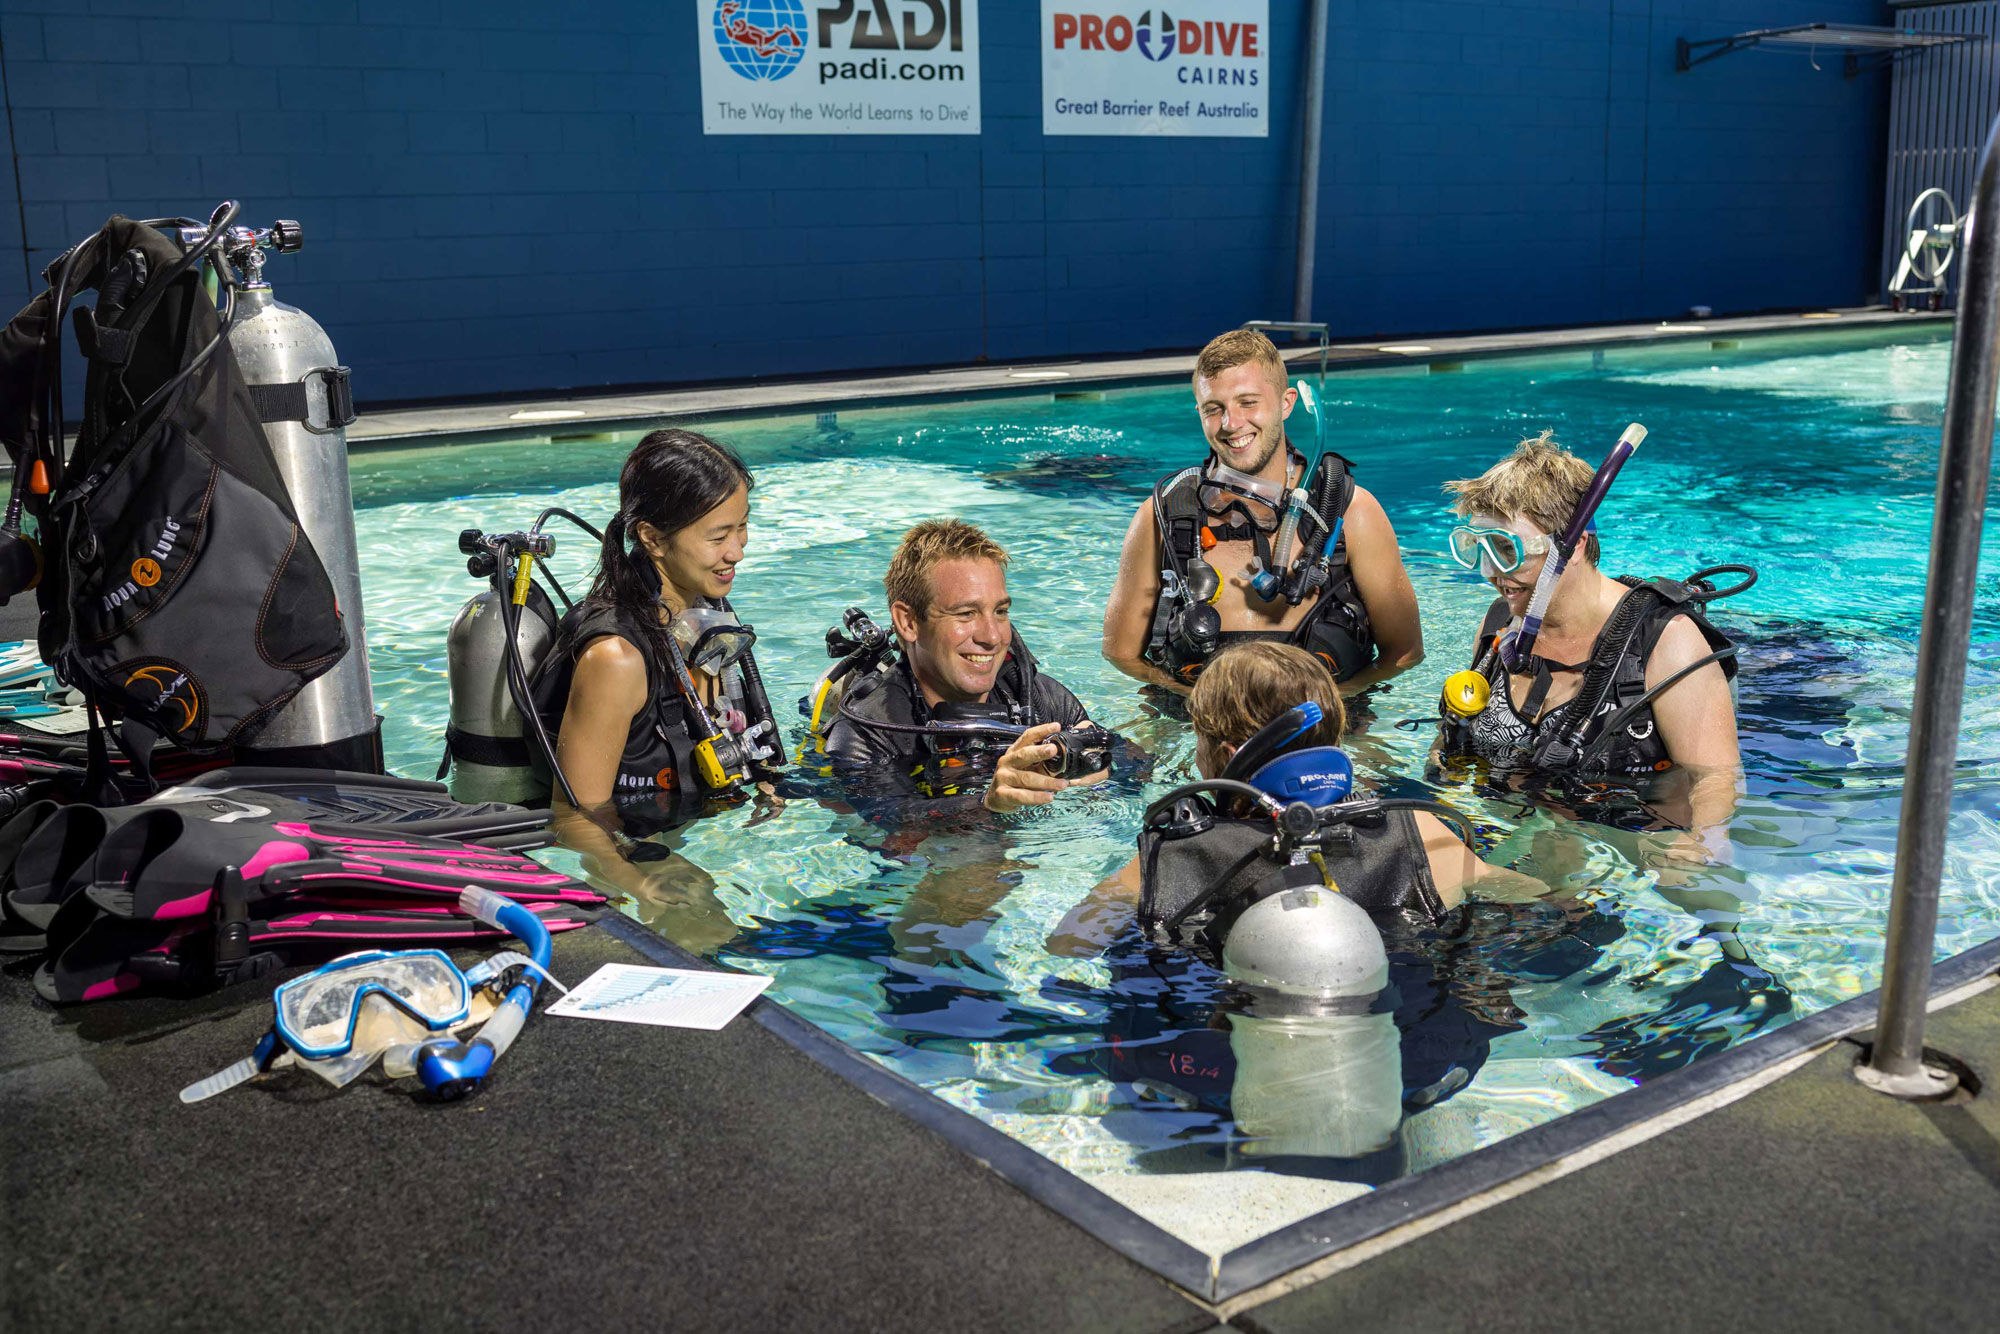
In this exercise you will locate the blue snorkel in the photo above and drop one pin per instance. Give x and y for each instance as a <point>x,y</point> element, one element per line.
<point>451,1069</point>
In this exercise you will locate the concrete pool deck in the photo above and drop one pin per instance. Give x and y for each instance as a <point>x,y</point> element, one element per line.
<point>618,1174</point>
<point>586,411</point>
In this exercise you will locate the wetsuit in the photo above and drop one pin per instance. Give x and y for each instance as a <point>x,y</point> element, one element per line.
<point>1614,677</point>
<point>903,772</point>
<point>658,783</point>
<point>1336,630</point>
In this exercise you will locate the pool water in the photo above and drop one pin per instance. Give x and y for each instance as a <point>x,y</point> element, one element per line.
<point>1811,459</point>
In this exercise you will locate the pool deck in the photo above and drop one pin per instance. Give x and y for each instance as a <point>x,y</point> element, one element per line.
<point>616,1174</point>
<point>587,411</point>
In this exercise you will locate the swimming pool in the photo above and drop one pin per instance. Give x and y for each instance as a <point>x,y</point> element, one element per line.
<point>1810,458</point>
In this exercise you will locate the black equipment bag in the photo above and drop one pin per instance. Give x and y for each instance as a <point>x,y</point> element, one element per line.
<point>179,592</point>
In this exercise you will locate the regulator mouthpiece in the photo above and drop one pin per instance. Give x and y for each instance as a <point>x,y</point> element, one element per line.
<point>1466,693</point>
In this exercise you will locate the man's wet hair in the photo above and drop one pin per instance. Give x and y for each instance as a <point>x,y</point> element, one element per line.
<point>927,546</point>
<point>1240,347</point>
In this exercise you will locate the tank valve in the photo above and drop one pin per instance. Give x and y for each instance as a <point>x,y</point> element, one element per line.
<point>1466,693</point>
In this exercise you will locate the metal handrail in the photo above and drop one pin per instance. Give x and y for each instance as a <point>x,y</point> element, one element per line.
<point>1895,1064</point>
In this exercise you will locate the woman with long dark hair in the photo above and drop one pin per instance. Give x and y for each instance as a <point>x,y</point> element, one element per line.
<point>651,691</point>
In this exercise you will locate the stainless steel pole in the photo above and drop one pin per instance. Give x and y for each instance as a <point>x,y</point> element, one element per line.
<point>1896,1064</point>
<point>1302,291</point>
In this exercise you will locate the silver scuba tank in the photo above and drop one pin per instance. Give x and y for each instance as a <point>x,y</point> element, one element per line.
<point>487,736</point>
<point>302,393</point>
<point>1317,1073</point>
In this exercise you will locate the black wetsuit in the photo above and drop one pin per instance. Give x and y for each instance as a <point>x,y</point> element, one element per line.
<point>894,773</point>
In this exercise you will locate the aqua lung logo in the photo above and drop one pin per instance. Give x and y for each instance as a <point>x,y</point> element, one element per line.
<point>144,572</point>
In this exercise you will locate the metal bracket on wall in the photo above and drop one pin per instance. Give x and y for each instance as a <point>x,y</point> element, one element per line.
<point>1882,45</point>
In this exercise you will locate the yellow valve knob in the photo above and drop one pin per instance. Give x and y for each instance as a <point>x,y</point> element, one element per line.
<point>1466,693</point>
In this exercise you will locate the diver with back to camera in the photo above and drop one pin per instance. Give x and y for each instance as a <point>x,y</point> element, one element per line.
<point>952,705</point>
<point>1258,542</point>
<point>1337,916</point>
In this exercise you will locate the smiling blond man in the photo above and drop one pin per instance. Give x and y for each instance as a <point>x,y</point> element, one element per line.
<point>961,659</point>
<point>1201,568</point>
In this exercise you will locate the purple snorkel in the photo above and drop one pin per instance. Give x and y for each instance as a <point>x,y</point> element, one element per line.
<point>1518,649</point>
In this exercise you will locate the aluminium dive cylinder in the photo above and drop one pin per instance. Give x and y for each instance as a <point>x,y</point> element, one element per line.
<point>487,736</point>
<point>1318,1072</point>
<point>291,367</point>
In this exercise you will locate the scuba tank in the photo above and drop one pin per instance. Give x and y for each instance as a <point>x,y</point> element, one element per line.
<point>1319,1063</point>
<point>486,743</point>
<point>303,397</point>
<point>861,651</point>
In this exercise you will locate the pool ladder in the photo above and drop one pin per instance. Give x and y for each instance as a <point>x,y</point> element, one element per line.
<point>1895,1063</point>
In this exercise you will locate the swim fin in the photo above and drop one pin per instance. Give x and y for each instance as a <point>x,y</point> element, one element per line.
<point>49,850</point>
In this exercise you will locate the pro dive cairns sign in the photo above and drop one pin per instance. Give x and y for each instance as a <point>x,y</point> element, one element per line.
<point>1196,67</point>
<point>839,66</point>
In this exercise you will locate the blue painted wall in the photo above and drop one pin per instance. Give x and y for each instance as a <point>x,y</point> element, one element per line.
<point>506,196</point>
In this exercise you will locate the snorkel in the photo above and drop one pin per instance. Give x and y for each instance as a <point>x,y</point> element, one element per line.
<point>1518,650</point>
<point>451,1070</point>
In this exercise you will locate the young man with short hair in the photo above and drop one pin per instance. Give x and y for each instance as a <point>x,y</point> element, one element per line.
<point>1347,601</point>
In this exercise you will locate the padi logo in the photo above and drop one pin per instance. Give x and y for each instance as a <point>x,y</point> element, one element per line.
<point>761,40</point>
<point>876,28</point>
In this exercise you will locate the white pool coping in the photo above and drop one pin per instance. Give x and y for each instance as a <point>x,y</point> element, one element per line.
<point>585,411</point>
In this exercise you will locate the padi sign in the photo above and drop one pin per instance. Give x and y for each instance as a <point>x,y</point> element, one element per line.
<point>1197,67</point>
<point>839,66</point>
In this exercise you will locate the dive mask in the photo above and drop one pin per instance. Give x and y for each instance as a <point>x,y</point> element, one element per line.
<point>1220,486</point>
<point>1505,551</point>
<point>711,640</point>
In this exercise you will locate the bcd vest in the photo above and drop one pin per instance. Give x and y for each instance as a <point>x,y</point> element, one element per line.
<point>1336,630</point>
<point>657,767</point>
<point>1614,677</point>
<point>1380,865</point>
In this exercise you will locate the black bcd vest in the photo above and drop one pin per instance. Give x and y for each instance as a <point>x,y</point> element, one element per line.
<point>1614,677</point>
<point>1336,630</point>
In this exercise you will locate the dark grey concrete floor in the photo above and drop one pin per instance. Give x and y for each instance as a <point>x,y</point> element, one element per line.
<point>1810,1205</point>
<point>610,1175</point>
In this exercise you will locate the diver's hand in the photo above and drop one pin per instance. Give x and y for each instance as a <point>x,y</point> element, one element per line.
<point>1019,780</point>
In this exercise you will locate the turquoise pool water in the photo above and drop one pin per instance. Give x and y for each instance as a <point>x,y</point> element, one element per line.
<point>1812,459</point>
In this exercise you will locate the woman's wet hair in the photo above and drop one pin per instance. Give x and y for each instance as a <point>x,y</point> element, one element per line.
<point>1247,685</point>
<point>1540,482</point>
<point>671,479</point>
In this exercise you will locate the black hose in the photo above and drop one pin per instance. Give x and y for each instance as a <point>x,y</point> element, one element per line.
<point>569,604</point>
<point>1602,740</point>
<point>517,686</point>
<point>558,511</point>
<point>1717,594</point>
<point>1233,787</point>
